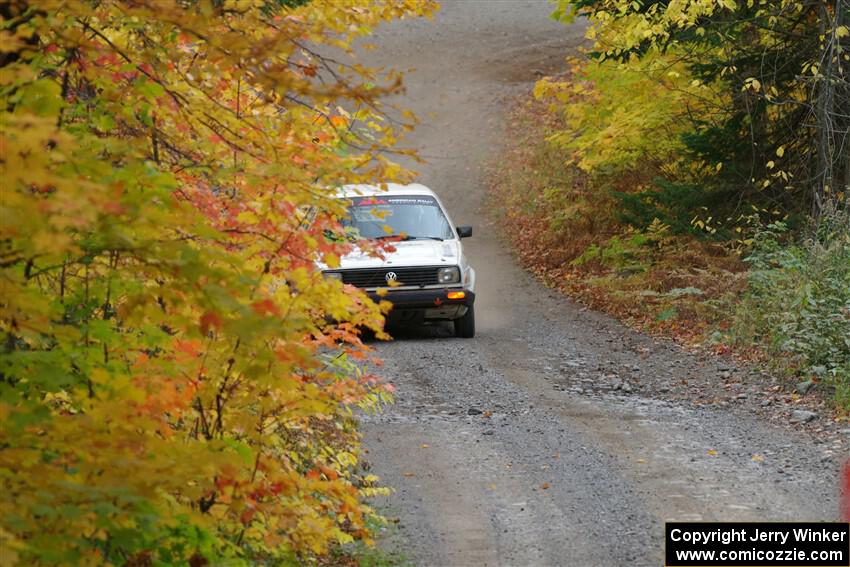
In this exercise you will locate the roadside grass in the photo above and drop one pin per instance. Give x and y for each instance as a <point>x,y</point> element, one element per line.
<point>565,228</point>
<point>360,554</point>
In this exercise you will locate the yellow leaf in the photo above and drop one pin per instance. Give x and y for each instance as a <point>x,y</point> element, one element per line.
<point>712,452</point>
<point>332,260</point>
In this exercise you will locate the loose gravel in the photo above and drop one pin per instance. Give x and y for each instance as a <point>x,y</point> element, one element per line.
<point>556,436</point>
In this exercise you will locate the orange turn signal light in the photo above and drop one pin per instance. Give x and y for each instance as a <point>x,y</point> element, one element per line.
<point>456,295</point>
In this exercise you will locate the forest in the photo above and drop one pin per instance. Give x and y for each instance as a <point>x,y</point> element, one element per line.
<point>180,385</point>
<point>691,174</point>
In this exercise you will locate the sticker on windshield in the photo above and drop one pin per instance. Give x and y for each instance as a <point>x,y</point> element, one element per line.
<point>371,209</point>
<point>394,200</point>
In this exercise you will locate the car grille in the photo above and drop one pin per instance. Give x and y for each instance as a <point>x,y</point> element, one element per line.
<point>377,277</point>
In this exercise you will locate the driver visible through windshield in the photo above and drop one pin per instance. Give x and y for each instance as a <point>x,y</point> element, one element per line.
<point>409,217</point>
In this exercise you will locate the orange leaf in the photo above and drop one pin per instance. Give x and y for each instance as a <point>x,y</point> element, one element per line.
<point>190,347</point>
<point>265,307</point>
<point>210,320</point>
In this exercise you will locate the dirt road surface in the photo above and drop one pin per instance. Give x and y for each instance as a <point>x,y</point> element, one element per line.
<point>541,441</point>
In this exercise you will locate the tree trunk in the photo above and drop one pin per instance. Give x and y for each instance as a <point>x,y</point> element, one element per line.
<point>831,176</point>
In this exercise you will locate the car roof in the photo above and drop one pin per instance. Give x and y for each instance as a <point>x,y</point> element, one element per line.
<point>391,188</point>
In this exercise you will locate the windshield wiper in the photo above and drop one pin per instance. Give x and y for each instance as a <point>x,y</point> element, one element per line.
<point>423,238</point>
<point>403,238</point>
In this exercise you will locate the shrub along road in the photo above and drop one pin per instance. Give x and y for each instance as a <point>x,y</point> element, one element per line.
<point>547,438</point>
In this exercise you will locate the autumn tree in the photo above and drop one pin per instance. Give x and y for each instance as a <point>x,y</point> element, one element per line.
<point>766,99</point>
<point>176,378</point>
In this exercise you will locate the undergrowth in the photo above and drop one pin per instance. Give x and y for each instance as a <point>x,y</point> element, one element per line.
<point>766,296</point>
<point>566,230</point>
<point>360,554</point>
<point>797,304</point>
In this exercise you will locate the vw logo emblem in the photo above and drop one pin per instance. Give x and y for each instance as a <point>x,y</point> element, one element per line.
<point>391,277</point>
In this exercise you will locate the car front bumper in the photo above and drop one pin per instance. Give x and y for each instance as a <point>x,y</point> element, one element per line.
<point>434,299</point>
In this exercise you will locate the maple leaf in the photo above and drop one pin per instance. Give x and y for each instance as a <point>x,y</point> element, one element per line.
<point>156,185</point>
<point>210,321</point>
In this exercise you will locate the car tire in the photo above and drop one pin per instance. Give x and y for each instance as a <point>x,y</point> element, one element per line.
<point>465,326</point>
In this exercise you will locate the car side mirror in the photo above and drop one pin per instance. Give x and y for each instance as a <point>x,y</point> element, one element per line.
<point>464,231</point>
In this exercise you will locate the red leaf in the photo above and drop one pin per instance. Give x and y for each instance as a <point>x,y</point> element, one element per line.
<point>210,320</point>
<point>265,307</point>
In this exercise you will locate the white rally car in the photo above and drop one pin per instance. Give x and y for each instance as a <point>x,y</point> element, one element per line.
<point>427,278</point>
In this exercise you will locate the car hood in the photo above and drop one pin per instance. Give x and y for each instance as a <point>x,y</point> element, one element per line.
<point>408,253</point>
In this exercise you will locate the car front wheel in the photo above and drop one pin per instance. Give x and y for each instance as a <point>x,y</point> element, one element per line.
<point>465,326</point>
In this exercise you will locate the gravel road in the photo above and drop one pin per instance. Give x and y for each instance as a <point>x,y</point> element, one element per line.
<point>544,440</point>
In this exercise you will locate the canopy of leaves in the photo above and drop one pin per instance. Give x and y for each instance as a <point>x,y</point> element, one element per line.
<point>758,97</point>
<point>176,380</point>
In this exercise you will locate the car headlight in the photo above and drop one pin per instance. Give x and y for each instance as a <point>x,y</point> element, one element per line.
<point>333,275</point>
<point>448,275</point>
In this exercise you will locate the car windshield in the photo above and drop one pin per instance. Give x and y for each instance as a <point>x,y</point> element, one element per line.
<point>408,216</point>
